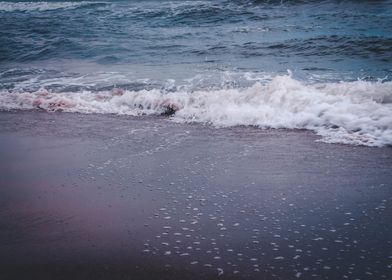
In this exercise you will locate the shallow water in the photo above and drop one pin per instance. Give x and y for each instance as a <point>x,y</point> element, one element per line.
<point>106,197</point>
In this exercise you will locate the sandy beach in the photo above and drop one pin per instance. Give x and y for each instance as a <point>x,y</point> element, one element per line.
<point>117,197</point>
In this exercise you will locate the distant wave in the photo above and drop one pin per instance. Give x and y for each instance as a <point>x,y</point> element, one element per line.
<point>358,113</point>
<point>41,6</point>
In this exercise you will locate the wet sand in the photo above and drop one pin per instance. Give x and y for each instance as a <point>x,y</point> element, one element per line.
<point>109,197</point>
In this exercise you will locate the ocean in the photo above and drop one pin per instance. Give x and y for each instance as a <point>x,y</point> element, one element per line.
<point>323,66</point>
<point>172,140</point>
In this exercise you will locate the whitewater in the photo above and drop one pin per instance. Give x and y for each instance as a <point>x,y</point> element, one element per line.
<point>358,112</point>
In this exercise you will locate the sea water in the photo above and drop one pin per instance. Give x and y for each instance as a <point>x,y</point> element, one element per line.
<point>325,66</point>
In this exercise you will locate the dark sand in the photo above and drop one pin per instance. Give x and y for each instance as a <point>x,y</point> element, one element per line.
<point>109,197</point>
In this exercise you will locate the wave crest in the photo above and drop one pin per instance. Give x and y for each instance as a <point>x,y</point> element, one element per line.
<point>358,113</point>
<point>40,6</point>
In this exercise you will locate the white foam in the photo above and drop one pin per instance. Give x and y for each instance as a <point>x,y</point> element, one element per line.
<point>40,6</point>
<point>358,112</point>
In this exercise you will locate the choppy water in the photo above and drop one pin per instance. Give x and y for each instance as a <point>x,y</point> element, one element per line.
<point>220,62</point>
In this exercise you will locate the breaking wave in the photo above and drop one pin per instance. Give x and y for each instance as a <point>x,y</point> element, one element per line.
<point>358,113</point>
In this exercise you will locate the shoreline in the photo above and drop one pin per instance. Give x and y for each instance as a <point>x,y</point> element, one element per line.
<point>98,196</point>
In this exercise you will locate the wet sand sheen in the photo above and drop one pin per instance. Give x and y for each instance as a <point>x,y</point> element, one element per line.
<point>108,197</point>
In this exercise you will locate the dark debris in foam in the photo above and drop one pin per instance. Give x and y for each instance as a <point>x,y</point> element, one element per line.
<point>170,110</point>
<point>116,197</point>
